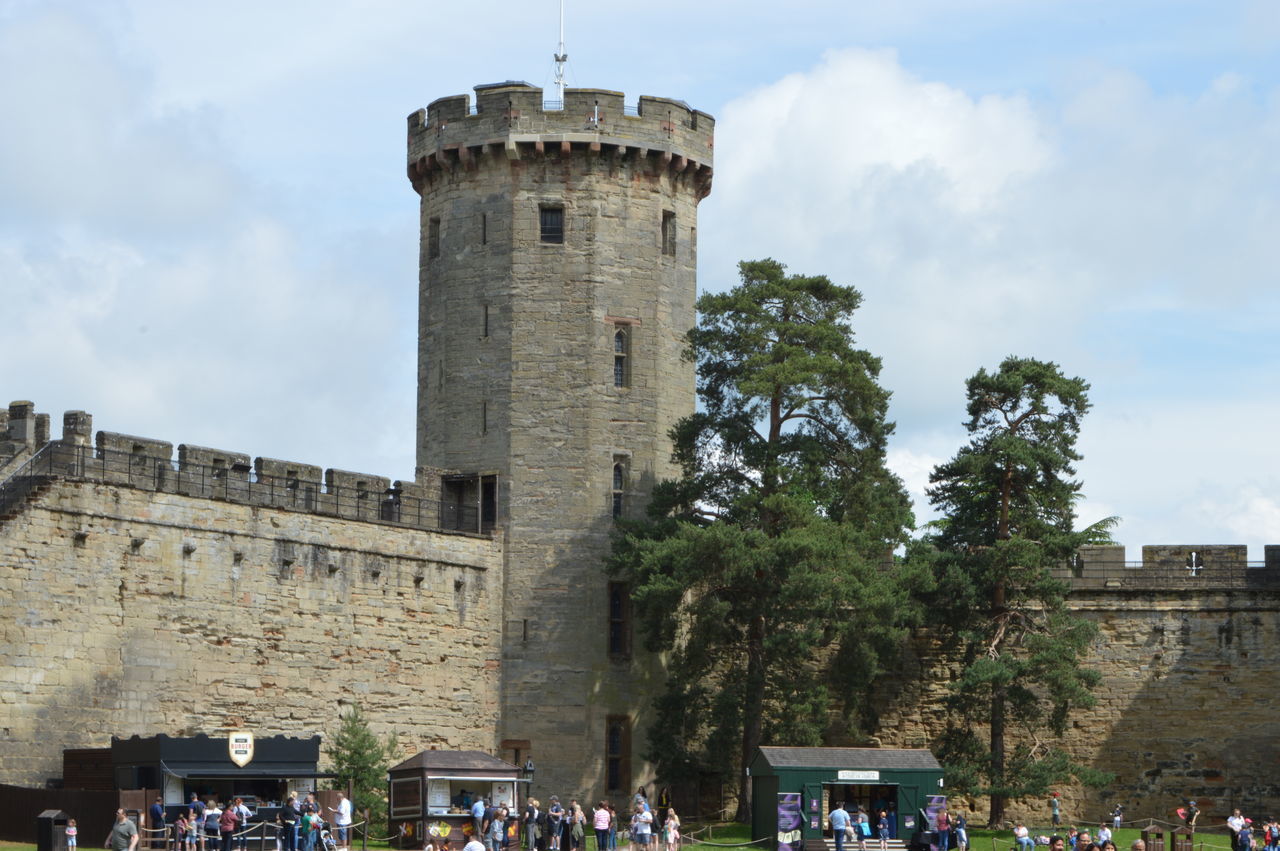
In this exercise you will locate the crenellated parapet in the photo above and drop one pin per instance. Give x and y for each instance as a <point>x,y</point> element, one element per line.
<point>1173,567</point>
<point>208,473</point>
<point>510,122</point>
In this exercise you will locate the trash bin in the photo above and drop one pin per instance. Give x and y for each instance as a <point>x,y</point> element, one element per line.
<point>51,831</point>
<point>1154,838</point>
<point>1182,839</point>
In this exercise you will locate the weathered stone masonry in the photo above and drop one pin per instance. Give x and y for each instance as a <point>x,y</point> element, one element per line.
<point>516,376</point>
<point>129,610</point>
<point>1186,707</point>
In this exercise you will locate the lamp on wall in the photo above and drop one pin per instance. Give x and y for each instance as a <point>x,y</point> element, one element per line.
<point>528,769</point>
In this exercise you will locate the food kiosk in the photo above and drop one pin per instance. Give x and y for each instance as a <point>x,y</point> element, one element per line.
<point>430,795</point>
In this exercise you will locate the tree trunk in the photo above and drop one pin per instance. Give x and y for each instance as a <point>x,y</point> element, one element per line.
<point>752,712</point>
<point>996,816</point>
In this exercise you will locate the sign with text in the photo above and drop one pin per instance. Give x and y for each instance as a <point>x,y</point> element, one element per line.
<point>240,745</point>
<point>858,776</point>
<point>790,822</point>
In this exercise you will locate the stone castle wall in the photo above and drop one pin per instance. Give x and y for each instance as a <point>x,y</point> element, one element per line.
<point>125,610</point>
<point>1185,708</point>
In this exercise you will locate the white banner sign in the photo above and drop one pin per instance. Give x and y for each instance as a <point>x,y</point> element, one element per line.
<point>861,776</point>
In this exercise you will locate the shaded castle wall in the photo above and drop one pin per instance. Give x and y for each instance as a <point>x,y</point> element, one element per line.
<point>125,610</point>
<point>1187,703</point>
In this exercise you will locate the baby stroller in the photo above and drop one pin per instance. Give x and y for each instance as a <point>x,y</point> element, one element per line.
<point>327,842</point>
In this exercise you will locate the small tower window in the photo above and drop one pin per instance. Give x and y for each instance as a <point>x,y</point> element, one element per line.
<point>617,753</point>
<point>484,228</point>
<point>433,238</point>
<point>669,233</point>
<point>619,620</point>
<point>484,320</point>
<point>621,353</point>
<point>551,222</point>
<point>619,486</point>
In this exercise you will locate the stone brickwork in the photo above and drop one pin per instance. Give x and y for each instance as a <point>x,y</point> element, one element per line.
<point>1186,708</point>
<point>516,371</point>
<point>129,610</point>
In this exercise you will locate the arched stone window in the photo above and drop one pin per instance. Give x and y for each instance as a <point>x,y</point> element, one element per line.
<point>621,357</point>
<point>619,486</point>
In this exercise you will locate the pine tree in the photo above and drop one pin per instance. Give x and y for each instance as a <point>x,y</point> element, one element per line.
<point>771,547</point>
<point>1008,503</point>
<point>361,760</point>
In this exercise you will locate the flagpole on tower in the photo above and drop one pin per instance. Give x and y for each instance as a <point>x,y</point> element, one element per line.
<point>561,58</point>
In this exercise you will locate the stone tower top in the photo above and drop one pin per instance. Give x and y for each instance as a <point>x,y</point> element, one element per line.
<point>511,119</point>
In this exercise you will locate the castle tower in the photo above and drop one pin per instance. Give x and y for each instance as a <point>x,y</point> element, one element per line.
<point>557,282</point>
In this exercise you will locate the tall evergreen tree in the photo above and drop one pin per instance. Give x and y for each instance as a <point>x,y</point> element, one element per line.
<point>770,547</point>
<point>361,760</point>
<point>1008,504</point>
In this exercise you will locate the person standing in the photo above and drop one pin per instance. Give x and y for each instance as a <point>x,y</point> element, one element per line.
<point>477,819</point>
<point>243,814</point>
<point>671,830</point>
<point>555,820</point>
<point>600,820</point>
<point>1235,822</point>
<point>497,829</point>
<point>943,825</point>
<point>961,826</point>
<point>882,830</point>
<point>641,826</point>
<point>227,824</point>
<point>839,821</point>
<point>124,833</point>
<point>1117,817</point>
<point>1104,834</point>
<point>212,820</point>
<point>1055,810</point>
<point>288,817</point>
<point>530,822</point>
<point>71,834</point>
<point>342,820</point>
<point>577,828</point>
<point>159,830</point>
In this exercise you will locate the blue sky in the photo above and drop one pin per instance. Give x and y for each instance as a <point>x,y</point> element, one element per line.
<point>206,234</point>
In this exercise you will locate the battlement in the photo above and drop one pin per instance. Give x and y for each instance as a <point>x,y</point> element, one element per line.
<point>204,472</point>
<point>1173,567</point>
<point>511,121</point>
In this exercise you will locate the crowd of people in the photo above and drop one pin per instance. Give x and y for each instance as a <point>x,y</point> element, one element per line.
<point>209,824</point>
<point>561,826</point>
<point>860,827</point>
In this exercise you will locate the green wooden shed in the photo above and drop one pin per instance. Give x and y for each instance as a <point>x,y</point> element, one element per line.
<point>900,781</point>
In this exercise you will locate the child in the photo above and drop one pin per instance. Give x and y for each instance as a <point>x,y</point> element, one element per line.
<point>71,834</point>
<point>180,828</point>
<point>671,830</point>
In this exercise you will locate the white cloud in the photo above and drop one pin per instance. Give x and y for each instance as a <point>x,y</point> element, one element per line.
<point>1127,235</point>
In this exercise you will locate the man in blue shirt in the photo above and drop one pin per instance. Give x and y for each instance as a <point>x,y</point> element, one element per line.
<point>477,818</point>
<point>839,819</point>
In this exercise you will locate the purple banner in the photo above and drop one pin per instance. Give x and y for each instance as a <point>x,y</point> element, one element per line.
<point>790,821</point>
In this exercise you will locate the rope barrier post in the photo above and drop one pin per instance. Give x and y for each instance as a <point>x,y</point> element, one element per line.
<point>364,833</point>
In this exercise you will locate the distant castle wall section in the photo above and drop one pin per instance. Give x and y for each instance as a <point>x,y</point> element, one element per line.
<point>126,609</point>
<point>1187,705</point>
